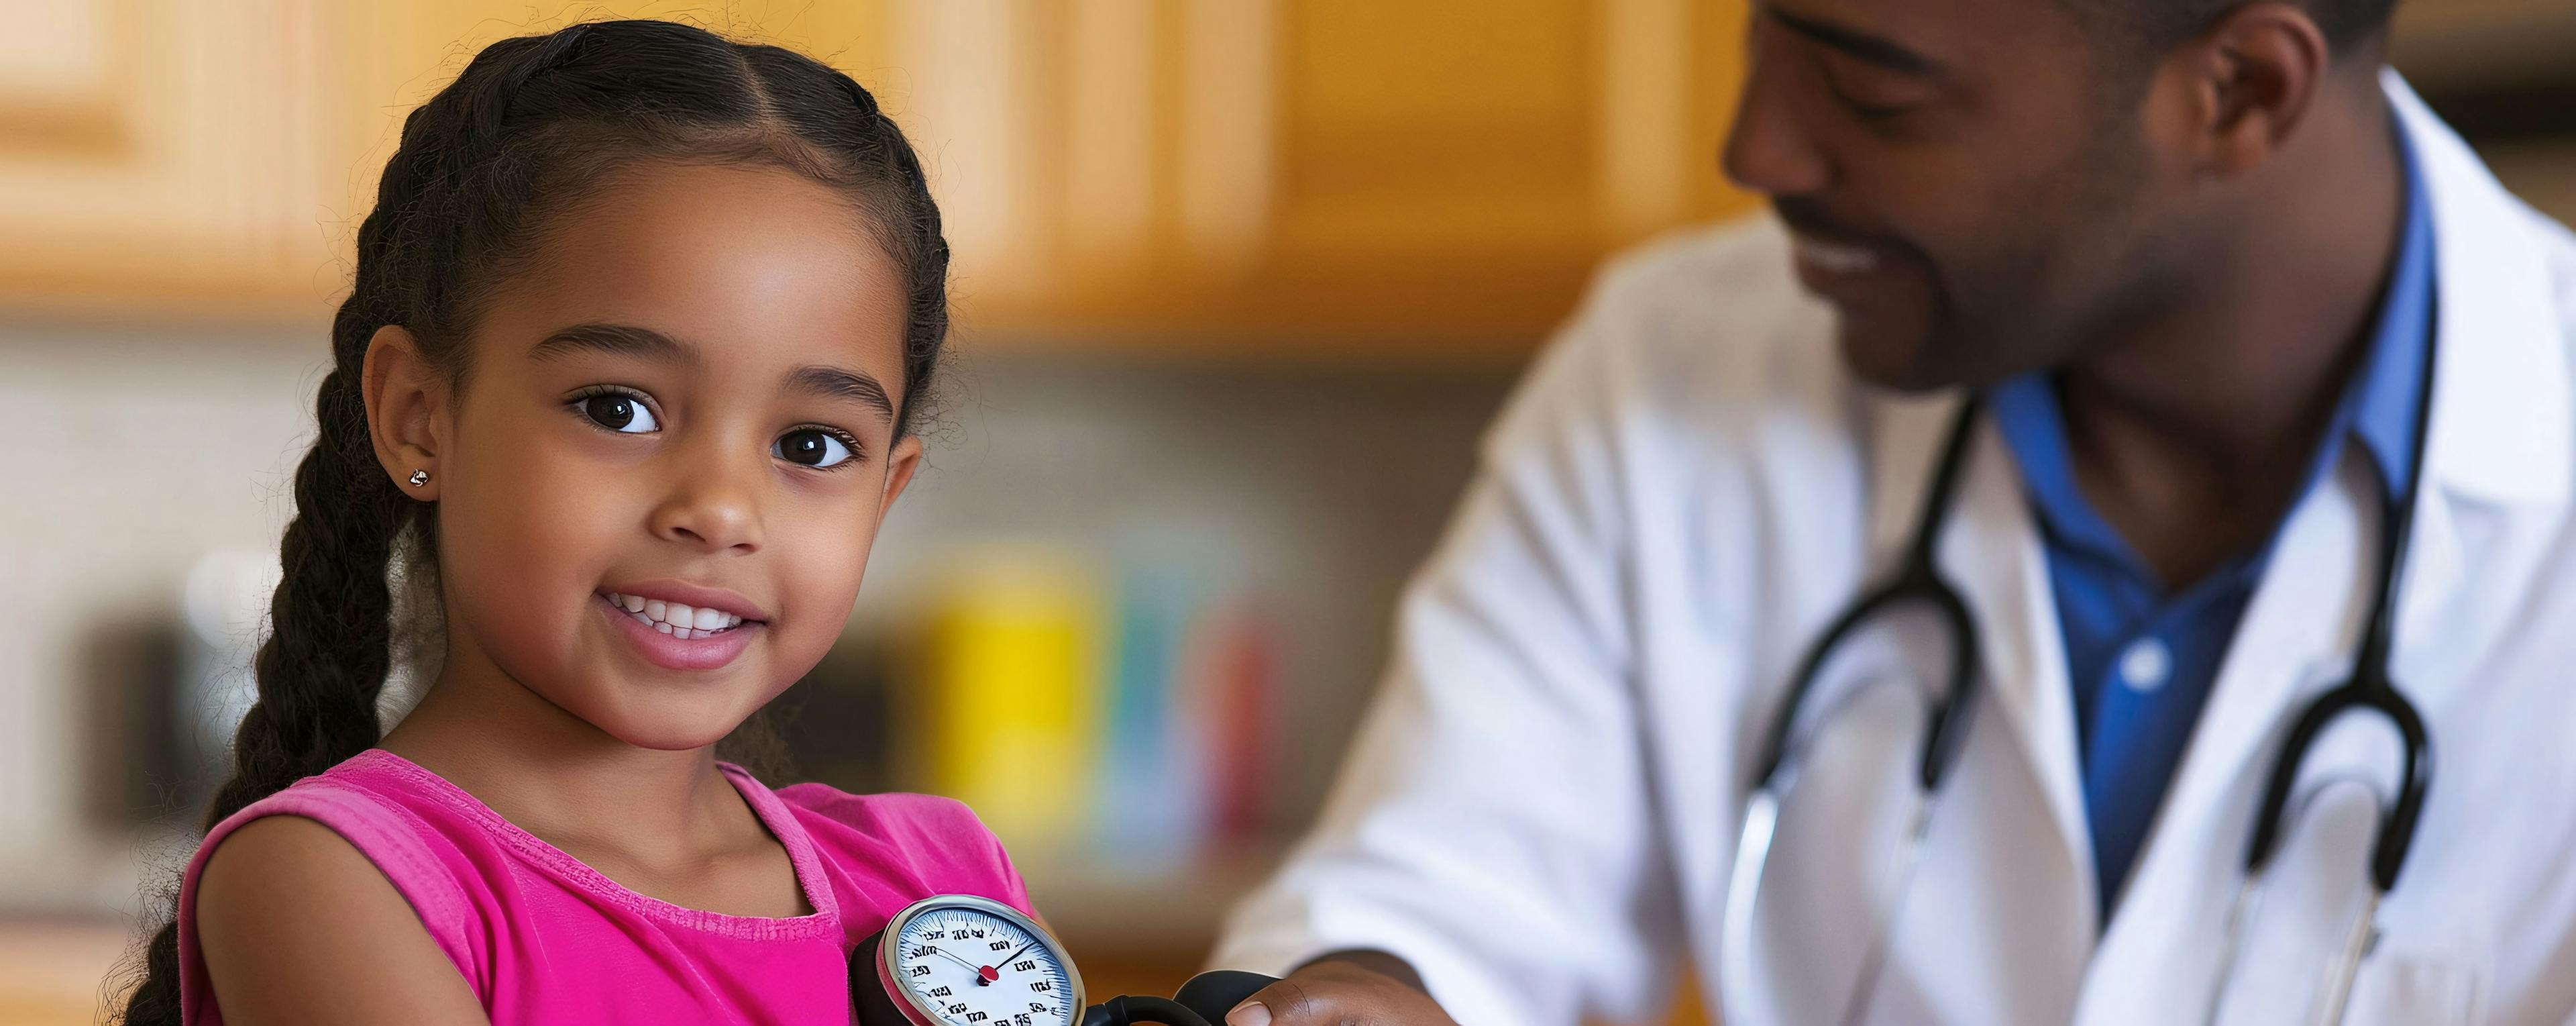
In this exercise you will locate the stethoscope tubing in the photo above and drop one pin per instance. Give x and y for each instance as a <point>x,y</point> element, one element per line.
<point>2371,688</point>
<point>1918,579</point>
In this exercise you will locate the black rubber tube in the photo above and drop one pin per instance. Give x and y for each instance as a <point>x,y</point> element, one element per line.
<point>1125,1011</point>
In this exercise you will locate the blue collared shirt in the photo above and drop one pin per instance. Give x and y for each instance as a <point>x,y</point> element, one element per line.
<point>2142,659</point>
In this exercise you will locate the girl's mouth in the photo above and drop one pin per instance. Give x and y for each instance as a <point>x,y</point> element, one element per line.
<point>674,619</point>
<point>671,636</point>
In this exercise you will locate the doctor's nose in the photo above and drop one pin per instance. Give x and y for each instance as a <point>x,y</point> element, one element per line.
<point>1768,150</point>
<point>713,506</point>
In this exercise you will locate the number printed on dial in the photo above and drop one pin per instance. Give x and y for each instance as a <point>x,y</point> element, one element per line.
<point>973,969</point>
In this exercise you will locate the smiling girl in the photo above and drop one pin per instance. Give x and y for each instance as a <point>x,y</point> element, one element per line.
<point>627,379</point>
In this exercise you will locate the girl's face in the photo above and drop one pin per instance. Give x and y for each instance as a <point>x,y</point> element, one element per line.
<point>676,440</point>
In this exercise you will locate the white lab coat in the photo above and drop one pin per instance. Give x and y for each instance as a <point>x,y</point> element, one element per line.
<point>1541,810</point>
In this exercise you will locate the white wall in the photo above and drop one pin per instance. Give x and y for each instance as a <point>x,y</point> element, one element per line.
<point>127,456</point>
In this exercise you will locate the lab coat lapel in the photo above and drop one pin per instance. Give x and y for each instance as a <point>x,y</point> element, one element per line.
<point>2159,958</point>
<point>1992,555</point>
<point>2501,399</point>
<point>2499,443</point>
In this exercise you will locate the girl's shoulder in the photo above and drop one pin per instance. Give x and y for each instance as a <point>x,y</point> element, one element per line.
<point>407,829</point>
<point>391,822</point>
<point>901,847</point>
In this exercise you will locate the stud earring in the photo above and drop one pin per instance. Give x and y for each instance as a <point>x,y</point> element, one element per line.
<point>419,478</point>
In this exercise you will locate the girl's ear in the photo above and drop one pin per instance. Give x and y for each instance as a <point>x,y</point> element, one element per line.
<point>404,396</point>
<point>900,463</point>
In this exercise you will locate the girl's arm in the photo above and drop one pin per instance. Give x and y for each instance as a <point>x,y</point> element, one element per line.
<point>298,927</point>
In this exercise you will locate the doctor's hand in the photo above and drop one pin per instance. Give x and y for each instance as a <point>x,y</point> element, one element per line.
<point>1346,988</point>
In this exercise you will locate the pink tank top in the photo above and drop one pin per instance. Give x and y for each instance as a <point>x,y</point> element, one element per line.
<point>543,938</point>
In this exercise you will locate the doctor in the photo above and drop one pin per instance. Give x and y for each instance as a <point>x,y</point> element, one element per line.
<point>2238,315</point>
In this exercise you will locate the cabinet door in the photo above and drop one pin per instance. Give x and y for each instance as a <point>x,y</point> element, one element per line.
<point>209,160</point>
<point>167,158</point>
<point>1454,169</point>
<point>1432,177</point>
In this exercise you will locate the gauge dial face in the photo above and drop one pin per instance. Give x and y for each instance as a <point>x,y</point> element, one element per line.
<point>971,962</point>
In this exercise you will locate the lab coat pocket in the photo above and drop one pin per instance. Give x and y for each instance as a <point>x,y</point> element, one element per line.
<point>2407,990</point>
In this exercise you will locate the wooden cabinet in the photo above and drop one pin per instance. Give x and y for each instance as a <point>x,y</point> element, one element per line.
<point>1432,178</point>
<point>169,158</point>
<point>1302,176</point>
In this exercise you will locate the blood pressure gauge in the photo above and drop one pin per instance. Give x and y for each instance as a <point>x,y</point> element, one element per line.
<point>959,960</point>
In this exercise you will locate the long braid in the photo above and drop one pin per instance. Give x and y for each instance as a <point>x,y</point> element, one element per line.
<point>326,653</point>
<point>328,647</point>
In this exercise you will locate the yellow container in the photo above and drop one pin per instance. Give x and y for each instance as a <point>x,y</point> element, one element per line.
<point>1013,682</point>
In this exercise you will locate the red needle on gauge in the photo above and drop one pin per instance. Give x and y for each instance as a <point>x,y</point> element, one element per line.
<point>991,974</point>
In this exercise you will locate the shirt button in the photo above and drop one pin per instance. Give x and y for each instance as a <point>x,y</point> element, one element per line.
<point>2146,664</point>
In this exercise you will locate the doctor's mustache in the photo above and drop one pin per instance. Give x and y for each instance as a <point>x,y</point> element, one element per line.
<point>1808,217</point>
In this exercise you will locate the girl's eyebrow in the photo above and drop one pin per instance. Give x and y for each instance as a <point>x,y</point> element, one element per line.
<point>628,340</point>
<point>838,383</point>
<point>615,340</point>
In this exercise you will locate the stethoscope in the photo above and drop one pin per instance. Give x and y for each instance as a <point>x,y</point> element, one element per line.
<point>1918,581</point>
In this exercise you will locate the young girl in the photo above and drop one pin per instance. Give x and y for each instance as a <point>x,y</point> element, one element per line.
<point>641,320</point>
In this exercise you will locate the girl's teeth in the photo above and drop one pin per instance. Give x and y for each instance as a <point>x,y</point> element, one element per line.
<point>679,621</point>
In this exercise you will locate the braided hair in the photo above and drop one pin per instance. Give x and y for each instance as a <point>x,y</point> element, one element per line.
<point>528,129</point>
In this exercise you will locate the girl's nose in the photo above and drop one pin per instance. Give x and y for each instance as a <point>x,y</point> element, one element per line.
<point>714,506</point>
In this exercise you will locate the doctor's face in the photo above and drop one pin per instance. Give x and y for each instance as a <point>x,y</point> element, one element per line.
<point>1965,183</point>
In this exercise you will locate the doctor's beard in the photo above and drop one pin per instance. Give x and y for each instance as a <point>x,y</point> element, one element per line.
<point>2073,261</point>
<point>1912,322</point>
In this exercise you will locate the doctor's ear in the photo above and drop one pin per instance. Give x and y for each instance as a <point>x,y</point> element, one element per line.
<point>406,399</point>
<point>2247,84</point>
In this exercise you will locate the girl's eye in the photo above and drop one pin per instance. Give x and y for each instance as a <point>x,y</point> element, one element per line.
<point>812,447</point>
<point>619,412</point>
